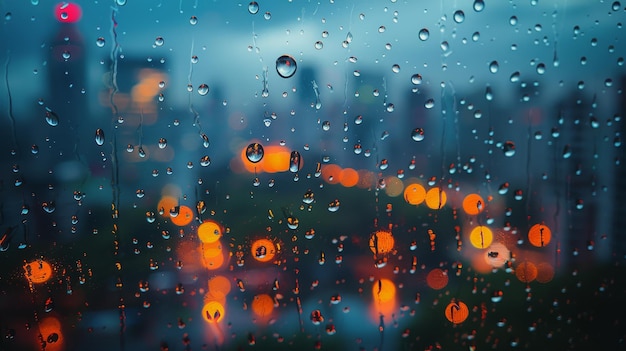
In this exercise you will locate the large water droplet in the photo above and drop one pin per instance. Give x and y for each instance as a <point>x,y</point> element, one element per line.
<point>100,42</point>
<point>509,149</point>
<point>417,134</point>
<point>494,67</point>
<point>99,136</point>
<point>424,34</point>
<point>295,162</point>
<point>203,89</point>
<point>254,152</point>
<point>52,118</point>
<point>286,66</point>
<point>459,16</point>
<point>479,5</point>
<point>253,7</point>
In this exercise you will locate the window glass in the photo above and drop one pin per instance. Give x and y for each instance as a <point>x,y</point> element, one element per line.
<point>312,175</point>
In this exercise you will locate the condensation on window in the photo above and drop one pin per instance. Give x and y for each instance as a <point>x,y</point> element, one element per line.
<point>312,175</point>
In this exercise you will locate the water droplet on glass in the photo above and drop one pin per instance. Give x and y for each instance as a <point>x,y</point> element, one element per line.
<point>203,89</point>
<point>253,7</point>
<point>52,118</point>
<point>193,20</point>
<point>509,149</point>
<point>479,5</point>
<point>430,103</point>
<point>416,79</point>
<point>159,41</point>
<point>99,136</point>
<point>459,16</point>
<point>513,20</point>
<point>424,34</point>
<point>417,134</point>
<point>100,42</point>
<point>541,68</point>
<point>514,77</point>
<point>295,162</point>
<point>254,152</point>
<point>494,66</point>
<point>267,15</point>
<point>205,161</point>
<point>162,143</point>
<point>286,66</point>
<point>319,45</point>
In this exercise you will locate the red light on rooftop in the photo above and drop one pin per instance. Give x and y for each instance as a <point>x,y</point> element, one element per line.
<point>67,12</point>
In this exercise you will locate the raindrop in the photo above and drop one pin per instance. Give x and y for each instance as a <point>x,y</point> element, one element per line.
<point>162,143</point>
<point>308,197</point>
<point>616,6</point>
<point>254,152</point>
<point>541,68</point>
<point>99,137</point>
<point>417,134</point>
<point>514,77</point>
<point>424,34</point>
<point>159,41</point>
<point>100,42</point>
<point>203,89</point>
<point>319,45</point>
<point>459,16</point>
<point>430,103</point>
<point>494,66</point>
<point>479,5</point>
<point>253,7</point>
<point>193,20</point>
<point>513,20</point>
<point>416,79</point>
<point>52,118</point>
<point>509,149</point>
<point>295,162</point>
<point>286,66</point>
<point>205,161</point>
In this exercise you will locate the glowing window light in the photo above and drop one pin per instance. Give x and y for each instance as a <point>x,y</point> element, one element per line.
<point>481,237</point>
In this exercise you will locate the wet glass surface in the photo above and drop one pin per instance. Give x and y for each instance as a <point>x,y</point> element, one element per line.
<point>280,175</point>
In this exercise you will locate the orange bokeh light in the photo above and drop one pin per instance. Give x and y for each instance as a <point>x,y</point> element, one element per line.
<point>481,237</point>
<point>473,204</point>
<point>414,194</point>
<point>539,235</point>
<point>435,198</point>
<point>526,272</point>
<point>349,177</point>
<point>219,284</point>
<point>437,279</point>
<point>331,173</point>
<point>50,330</point>
<point>38,271</point>
<point>545,272</point>
<point>212,255</point>
<point>384,290</point>
<point>209,231</point>
<point>262,306</point>
<point>381,242</point>
<point>263,250</point>
<point>275,159</point>
<point>394,186</point>
<point>184,217</point>
<point>457,312</point>
<point>213,312</point>
<point>166,204</point>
